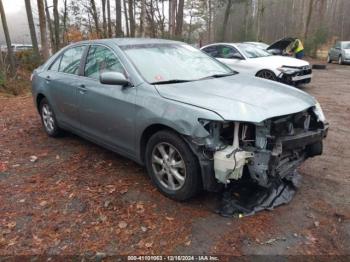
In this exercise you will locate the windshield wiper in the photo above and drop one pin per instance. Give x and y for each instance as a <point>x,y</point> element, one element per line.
<point>172,81</point>
<point>217,76</point>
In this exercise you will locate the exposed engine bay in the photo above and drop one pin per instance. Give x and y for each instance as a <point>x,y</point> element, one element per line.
<point>267,151</point>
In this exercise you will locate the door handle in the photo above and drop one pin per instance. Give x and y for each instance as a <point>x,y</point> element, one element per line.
<point>82,89</point>
<point>48,79</point>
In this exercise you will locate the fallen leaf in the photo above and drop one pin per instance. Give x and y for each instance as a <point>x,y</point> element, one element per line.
<point>11,224</point>
<point>149,244</point>
<point>2,167</point>
<point>43,203</point>
<point>169,218</point>
<point>122,224</point>
<point>33,159</point>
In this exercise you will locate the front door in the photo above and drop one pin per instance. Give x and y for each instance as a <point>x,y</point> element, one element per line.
<point>107,112</point>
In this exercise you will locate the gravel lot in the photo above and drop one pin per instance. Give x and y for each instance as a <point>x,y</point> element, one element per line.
<point>78,198</point>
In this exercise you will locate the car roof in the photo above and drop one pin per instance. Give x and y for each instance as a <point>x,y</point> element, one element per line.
<point>130,41</point>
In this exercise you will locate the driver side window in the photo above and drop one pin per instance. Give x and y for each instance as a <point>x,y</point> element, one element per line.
<point>101,59</point>
<point>228,52</point>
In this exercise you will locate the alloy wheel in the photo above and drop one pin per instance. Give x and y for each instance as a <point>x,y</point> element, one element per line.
<point>168,166</point>
<point>267,75</point>
<point>48,119</point>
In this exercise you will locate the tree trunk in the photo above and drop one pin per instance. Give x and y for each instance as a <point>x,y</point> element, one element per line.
<point>56,20</point>
<point>43,32</point>
<point>2,67</point>
<point>226,18</point>
<point>308,19</point>
<point>8,40</point>
<point>32,29</point>
<point>109,18</point>
<point>142,18</point>
<point>126,18</point>
<point>65,11</point>
<point>173,7</point>
<point>131,18</point>
<point>94,16</point>
<point>104,19</point>
<point>52,39</point>
<point>179,18</point>
<point>118,18</point>
<point>210,19</point>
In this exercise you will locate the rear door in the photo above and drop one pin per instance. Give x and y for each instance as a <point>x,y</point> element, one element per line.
<point>62,79</point>
<point>107,112</point>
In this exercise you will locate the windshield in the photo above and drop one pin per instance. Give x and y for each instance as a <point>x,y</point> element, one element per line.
<point>252,51</point>
<point>168,62</point>
<point>346,45</point>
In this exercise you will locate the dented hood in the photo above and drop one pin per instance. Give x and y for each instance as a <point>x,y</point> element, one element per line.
<point>240,97</point>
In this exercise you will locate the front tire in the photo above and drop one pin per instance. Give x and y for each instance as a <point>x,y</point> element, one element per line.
<point>329,60</point>
<point>172,166</point>
<point>267,74</point>
<point>48,119</point>
<point>340,61</point>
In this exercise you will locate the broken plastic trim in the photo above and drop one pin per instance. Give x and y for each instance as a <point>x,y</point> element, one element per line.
<point>245,198</point>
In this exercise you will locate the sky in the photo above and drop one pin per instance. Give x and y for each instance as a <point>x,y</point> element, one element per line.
<point>17,22</point>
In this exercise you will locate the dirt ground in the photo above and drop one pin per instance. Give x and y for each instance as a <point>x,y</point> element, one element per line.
<point>78,198</point>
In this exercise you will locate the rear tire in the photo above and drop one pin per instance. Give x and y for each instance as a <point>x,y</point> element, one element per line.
<point>172,166</point>
<point>267,74</point>
<point>340,61</point>
<point>48,119</point>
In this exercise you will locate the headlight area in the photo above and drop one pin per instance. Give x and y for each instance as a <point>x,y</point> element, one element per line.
<point>265,152</point>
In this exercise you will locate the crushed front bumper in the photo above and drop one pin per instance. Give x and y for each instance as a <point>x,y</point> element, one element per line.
<point>296,76</point>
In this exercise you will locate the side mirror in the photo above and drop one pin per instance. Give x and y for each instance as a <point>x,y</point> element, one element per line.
<point>113,78</point>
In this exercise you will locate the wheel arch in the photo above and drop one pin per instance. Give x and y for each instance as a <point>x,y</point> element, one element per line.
<point>265,69</point>
<point>150,131</point>
<point>39,98</point>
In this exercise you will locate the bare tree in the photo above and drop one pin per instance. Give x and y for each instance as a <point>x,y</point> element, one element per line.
<point>131,18</point>
<point>109,18</point>
<point>65,13</point>
<point>8,40</point>
<point>179,18</point>
<point>32,29</point>
<point>126,18</point>
<point>226,18</point>
<point>2,66</point>
<point>118,18</point>
<point>49,22</point>
<point>43,32</point>
<point>56,25</point>
<point>172,16</point>
<point>308,18</point>
<point>95,17</point>
<point>104,19</point>
<point>142,18</point>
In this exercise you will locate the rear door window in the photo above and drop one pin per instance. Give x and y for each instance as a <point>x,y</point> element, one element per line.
<point>70,61</point>
<point>101,59</point>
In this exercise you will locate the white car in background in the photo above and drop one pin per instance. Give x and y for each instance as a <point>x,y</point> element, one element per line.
<point>249,59</point>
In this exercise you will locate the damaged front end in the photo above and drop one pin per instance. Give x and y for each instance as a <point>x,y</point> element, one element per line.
<point>292,75</point>
<point>265,152</point>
